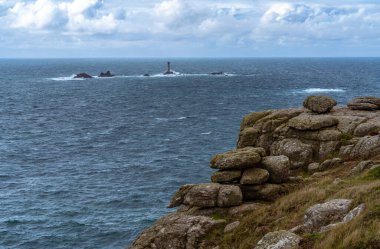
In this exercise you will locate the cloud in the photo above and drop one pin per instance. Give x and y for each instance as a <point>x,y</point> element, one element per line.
<point>243,24</point>
<point>74,16</point>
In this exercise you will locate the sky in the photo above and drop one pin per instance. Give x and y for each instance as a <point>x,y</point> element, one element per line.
<point>189,28</point>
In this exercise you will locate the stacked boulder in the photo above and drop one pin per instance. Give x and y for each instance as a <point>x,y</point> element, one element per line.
<point>243,174</point>
<point>366,103</point>
<point>257,175</point>
<point>276,143</point>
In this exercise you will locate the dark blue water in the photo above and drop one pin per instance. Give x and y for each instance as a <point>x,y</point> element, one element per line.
<point>90,163</point>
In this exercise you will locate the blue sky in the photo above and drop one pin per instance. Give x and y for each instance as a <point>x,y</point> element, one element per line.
<point>184,28</point>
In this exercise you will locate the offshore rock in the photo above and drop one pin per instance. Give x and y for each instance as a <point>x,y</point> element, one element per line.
<point>367,103</point>
<point>106,74</point>
<point>279,240</point>
<point>278,168</point>
<point>243,158</point>
<point>226,176</point>
<point>254,176</point>
<point>176,230</point>
<point>319,104</point>
<point>299,154</point>
<point>82,76</point>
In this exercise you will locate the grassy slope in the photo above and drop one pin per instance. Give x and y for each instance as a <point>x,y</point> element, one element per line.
<point>287,212</point>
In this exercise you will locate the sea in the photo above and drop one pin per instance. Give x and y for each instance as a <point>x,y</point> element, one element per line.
<point>90,163</point>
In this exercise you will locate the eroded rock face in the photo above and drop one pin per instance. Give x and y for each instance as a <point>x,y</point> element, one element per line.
<point>312,122</point>
<point>366,147</point>
<point>202,195</point>
<point>368,128</point>
<point>229,196</point>
<point>243,158</point>
<point>207,195</point>
<point>299,154</point>
<point>319,104</point>
<point>82,76</point>
<point>278,168</point>
<point>254,176</point>
<point>367,103</point>
<point>177,231</point>
<point>267,192</point>
<point>324,214</point>
<point>279,240</point>
<point>226,176</point>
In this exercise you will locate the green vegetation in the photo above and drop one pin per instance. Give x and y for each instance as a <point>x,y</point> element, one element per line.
<point>287,212</point>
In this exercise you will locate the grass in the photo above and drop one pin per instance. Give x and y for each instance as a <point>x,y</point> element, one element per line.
<point>287,212</point>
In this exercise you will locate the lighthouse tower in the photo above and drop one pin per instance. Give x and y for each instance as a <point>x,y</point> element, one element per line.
<point>168,70</point>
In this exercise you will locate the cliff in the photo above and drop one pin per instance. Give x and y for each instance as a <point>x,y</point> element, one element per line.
<point>299,178</point>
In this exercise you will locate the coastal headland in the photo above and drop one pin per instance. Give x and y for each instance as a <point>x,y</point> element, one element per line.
<point>299,178</point>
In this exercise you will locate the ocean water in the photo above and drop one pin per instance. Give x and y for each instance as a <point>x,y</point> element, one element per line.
<point>91,163</point>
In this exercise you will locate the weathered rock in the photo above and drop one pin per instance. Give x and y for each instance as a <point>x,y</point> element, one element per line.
<point>319,104</point>
<point>324,135</point>
<point>312,122</point>
<point>326,213</point>
<point>176,231</point>
<point>106,74</point>
<point>279,240</point>
<point>250,119</point>
<point>347,123</point>
<point>229,195</point>
<point>276,118</point>
<point>350,216</point>
<point>82,76</point>
<point>329,163</point>
<point>248,137</point>
<point>366,147</point>
<point>299,154</point>
<point>278,168</point>
<point>243,208</point>
<point>267,192</point>
<point>368,128</point>
<point>232,226</point>
<point>367,103</point>
<point>226,176</point>
<point>345,151</point>
<point>179,196</point>
<point>202,195</point>
<point>254,176</point>
<point>363,165</point>
<point>238,159</point>
<point>313,167</point>
<point>327,149</point>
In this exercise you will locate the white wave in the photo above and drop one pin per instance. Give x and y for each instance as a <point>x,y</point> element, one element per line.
<point>180,118</point>
<point>67,78</point>
<point>206,133</point>
<point>320,90</point>
<point>159,75</point>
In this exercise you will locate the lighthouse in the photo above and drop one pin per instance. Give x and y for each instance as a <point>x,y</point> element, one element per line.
<point>168,70</point>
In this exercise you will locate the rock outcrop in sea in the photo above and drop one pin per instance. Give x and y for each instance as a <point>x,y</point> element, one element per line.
<point>82,76</point>
<point>278,153</point>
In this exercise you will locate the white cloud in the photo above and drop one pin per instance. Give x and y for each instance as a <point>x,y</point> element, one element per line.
<point>223,24</point>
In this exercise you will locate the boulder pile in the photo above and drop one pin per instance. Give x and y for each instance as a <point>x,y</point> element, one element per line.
<point>274,148</point>
<point>275,144</point>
